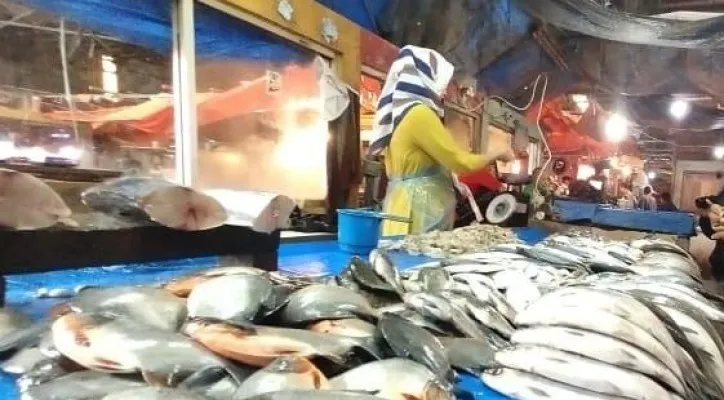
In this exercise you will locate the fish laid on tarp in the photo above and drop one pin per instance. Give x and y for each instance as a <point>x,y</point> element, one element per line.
<point>118,345</point>
<point>410,341</point>
<point>471,355</point>
<point>183,285</point>
<point>383,266</point>
<point>526,386</point>
<point>145,305</point>
<point>236,298</point>
<point>83,385</point>
<point>155,393</point>
<point>600,347</point>
<point>160,201</point>
<point>28,203</point>
<point>284,373</point>
<point>393,379</point>
<point>314,395</point>
<point>344,327</point>
<point>261,345</point>
<point>321,302</point>
<point>365,275</point>
<point>583,373</point>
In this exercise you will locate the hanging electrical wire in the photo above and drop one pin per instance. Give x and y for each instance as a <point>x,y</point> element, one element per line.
<point>66,78</point>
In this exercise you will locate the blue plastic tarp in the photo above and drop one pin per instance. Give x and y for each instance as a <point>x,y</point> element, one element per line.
<point>147,23</point>
<point>673,223</point>
<point>312,257</point>
<point>570,211</point>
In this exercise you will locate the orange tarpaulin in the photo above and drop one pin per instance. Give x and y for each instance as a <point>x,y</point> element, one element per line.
<point>155,116</point>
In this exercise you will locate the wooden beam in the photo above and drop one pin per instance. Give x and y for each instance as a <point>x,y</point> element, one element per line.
<point>305,29</point>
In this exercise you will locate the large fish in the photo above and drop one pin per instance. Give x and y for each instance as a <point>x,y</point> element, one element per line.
<point>616,303</point>
<point>384,267</point>
<point>603,348</point>
<point>160,201</point>
<point>483,313</point>
<point>183,285</point>
<point>321,302</point>
<point>344,327</point>
<point>284,373</point>
<point>236,298</point>
<point>149,306</point>
<point>595,320</point>
<point>316,395</point>
<point>82,385</point>
<point>591,375</point>
<point>119,345</point>
<point>27,203</point>
<point>521,385</point>
<point>260,345</point>
<point>365,275</point>
<point>155,393</point>
<point>393,379</point>
<point>410,341</point>
<point>471,355</point>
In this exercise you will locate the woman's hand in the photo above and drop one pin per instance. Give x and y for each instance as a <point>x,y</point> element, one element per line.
<point>506,155</point>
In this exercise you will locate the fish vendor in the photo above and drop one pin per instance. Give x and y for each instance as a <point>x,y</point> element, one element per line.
<point>716,259</point>
<point>420,154</point>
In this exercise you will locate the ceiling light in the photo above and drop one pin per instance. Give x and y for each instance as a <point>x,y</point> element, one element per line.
<point>719,152</point>
<point>679,109</point>
<point>616,128</point>
<point>651,175</point>
<point>581,101</point>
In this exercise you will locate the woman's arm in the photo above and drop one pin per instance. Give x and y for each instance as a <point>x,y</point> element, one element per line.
<point>434,139</point>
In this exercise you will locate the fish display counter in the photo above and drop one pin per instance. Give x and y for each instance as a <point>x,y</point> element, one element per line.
<point>511,306</point>
<point>673,223</point>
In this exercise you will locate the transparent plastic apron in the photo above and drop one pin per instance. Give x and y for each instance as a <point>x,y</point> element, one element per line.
<point>429,197</point>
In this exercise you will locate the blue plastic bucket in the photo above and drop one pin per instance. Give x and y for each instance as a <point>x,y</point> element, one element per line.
<point>358,231</point>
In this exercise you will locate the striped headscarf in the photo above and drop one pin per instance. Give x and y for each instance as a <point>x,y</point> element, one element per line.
<point>417,76</point>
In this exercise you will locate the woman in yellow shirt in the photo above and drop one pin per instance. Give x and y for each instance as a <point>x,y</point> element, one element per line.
<point>420,154</point>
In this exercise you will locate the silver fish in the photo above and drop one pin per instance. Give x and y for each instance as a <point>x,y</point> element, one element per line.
<point>284,373</point>
<point>410,341</point>
<point>526,386</point>
<point>148,199</point>
<point>583,373</point>
<point>83,385</point>
<point>344,327</point>
<point>315,395</point>
<point>22,361</point>
<point>28,203</point>
<point>236,298</point>
<point>119,345</point>
<point>595,320</point>
<point>600,347</point>
<point>385,268</point>
<point>155,393</point>
<point>153,307</point>
<point>319,302</point>
<point>487,294</point>
<point>392,379</point>
<point>472,355</point>
<point>182,286</point>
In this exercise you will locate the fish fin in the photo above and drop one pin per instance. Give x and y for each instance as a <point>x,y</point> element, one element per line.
<point>69,221</point>
<point>156,379</point>
<point>25,337</point>
<point>203,377</point>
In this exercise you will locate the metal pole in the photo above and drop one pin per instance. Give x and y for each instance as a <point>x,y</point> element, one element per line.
<point>184,92</point>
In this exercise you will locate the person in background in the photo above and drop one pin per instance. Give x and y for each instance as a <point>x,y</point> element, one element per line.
<point>666,203</point>
<point>420,154</point>
<point>563,188</point>
<point>716,259</point>
<point>647,202</point>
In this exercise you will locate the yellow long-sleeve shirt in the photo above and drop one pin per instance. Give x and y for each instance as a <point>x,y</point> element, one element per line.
<point>421,143</point>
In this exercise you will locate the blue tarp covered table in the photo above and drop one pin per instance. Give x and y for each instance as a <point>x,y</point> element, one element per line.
<point>673,223</point>
<point>312,257</point>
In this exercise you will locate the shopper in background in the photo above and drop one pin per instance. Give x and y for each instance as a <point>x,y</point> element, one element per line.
<point>716,259</point>
<point>420,153</point>
<point>666,203</point>
<point>647,201</point>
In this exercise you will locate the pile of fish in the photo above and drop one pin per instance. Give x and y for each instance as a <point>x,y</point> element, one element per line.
<point>28,203</point>
<point>464,240</point>
<point>571,318</point>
